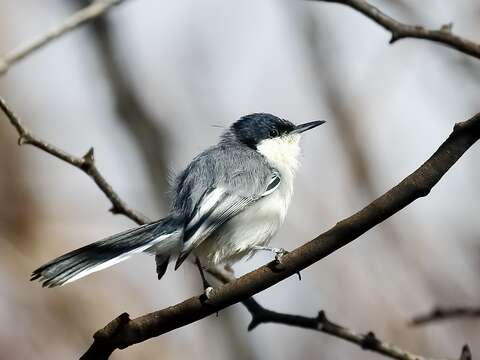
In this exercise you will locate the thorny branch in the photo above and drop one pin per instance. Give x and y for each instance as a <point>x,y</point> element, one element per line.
<point>95,9</point>
<point>399,30</point>
<point>443,313</point>
<point>85,163</point>
<point>123,331</point>
<point>321,323</point>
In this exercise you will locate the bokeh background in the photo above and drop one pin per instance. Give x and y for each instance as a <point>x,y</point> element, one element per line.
<point>154,83</point>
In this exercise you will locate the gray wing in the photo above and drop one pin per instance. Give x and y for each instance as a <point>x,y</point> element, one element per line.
<point>229,193</point>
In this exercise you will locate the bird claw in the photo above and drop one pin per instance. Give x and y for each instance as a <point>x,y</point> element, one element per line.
<point>209,292</point>
<point>279,253</point>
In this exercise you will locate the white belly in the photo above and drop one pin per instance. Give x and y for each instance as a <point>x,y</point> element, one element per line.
<point>236,239</point>
<point>255,226</point>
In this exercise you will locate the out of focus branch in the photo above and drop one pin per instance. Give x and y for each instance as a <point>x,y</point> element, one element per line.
<point>79,18</point>
<point>443,313</point>
<point>124,332</point>
<point>85,163</point>
<point>400,30</point>
<point>321,323</point>
<point>142,124</point>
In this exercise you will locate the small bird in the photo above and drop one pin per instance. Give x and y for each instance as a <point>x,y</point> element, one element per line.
<point>226,205</point>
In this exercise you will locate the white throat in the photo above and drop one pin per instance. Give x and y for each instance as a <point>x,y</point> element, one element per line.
<point>283,154</point>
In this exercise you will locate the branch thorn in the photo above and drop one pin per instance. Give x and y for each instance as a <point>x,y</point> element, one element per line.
<point>447,27</point>
<point>395,36</point>
<point>255,322</point>
<point>114,210</point>
<point>89,157</point>
<point>370,341</point>
<point>22,139</point>
<point>466,353</point>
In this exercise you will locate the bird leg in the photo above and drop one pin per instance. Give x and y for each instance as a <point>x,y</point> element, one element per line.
<point>206,286</point>
<point>279,253</point>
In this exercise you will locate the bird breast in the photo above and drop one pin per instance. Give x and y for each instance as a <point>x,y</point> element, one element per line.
<point>257,224</point>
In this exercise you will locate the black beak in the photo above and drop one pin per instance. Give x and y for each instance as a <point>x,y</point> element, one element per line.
<point>307,126</point>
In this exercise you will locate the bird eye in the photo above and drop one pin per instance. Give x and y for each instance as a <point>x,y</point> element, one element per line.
<point>274,133</point>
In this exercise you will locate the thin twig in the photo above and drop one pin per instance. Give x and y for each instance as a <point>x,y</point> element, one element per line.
<point>261,315</point>
<point>443,313</point>
<point>321,323</point>
<point>123,331</point>
<point>144,126</point>
<point>79,18</point>
<point>399,30</point>
<point>85,163</point>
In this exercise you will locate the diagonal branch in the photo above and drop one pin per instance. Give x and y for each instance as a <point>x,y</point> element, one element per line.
<point>400,30</point>
<point>143,125</point>
<point>95,9</point>
<point>85,163</point>
<point>123,331</point>
<point>321,323</point>
<point>441,313</point>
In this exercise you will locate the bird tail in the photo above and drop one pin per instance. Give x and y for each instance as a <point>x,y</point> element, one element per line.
<point>158,236</point>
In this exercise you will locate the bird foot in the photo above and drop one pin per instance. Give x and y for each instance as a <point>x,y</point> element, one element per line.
<point>209,292</point>
<point>279,252</point>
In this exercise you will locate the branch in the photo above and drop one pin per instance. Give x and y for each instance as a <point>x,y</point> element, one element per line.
<point>369,341</point>
<point>439,313</point>
<point>124,332</point>
<point>400,30</point>
<point>320,323</point>
<point>144,128</point>
<point>95,9</point>
<point>85,163</point>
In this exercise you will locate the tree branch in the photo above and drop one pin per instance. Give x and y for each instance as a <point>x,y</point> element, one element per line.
<point>440,313</point>
<point>144,128</point>
<point>85,163</point>
<point>369,341</point>
<point>95,9</point>
<point>400,30</point>
<point>124,332</point>
<point>321,323</point>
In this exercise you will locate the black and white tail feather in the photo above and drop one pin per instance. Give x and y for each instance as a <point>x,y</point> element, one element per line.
<point>107,252</point>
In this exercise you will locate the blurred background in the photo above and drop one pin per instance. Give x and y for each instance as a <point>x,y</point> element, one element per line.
<point>154,82</point>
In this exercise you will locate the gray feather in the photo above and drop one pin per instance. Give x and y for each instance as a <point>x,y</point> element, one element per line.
<point>226,166</point>
<point>60,270</point>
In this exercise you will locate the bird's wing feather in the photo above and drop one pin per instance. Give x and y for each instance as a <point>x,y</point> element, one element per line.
<point>218,205</point>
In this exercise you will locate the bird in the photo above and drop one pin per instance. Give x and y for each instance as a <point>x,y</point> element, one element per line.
<point>225,205</point>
